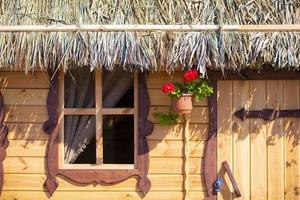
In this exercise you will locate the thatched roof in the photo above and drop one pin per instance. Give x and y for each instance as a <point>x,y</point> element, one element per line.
<point>149,50</point>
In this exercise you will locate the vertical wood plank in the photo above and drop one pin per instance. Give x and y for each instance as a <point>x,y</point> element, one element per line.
<point>291,135</point>
<point>98,101</point>
<point>275,143</point>
<point>241,141</point>
<point>258,131</point>
<point>224,139</point>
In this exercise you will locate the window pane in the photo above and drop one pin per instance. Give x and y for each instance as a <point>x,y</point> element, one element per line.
<point>80,88</point>
<point>117,89</point>
<point>79,139</point>
<point>118,139</point>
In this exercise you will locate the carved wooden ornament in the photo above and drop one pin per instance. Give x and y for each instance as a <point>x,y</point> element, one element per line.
<point>99,176</point>
<point>3,141</point>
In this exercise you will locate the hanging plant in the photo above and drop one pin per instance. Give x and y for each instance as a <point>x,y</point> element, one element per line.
<point>182,94</point>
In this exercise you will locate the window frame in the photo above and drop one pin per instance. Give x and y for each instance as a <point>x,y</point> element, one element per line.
<point>96,175</point>
<point>98,111</point>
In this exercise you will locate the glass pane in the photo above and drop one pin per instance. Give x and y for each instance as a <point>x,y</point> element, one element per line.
<point>117,89</point>
<point>118,139</point>
<point>80,88</point>
<point>79,139</point>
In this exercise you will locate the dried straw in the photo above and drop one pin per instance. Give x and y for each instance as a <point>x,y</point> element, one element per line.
<point>149,51</point>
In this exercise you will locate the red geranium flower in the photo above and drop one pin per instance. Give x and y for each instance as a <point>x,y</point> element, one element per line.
<point>190,75</point>
<point>168,87</point>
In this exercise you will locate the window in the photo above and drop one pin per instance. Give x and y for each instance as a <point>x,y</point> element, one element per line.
<point>100,114</point>
<point>98,123</point>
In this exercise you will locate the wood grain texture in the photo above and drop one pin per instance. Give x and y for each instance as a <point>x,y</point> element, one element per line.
<point>26,131</point>
<point>225,150</point>
<point>199,114</point>
<point>291,139</point>
<point>25,114</point>
<point>241,139</point>
<point>258,132</point>
<point>35,165</point>
<point>157,148</point>
<point>275,142</point>
<point>159,182</point>
<point>34,131</point>
<point>20,80</point>
<point>198,132</point>
<point>25,97</point>
<point>101,195</point>
<point>186,156</point>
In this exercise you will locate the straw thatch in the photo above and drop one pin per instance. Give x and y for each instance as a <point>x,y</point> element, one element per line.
<point>149,50</point>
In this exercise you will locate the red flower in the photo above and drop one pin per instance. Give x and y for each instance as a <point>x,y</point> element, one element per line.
<point>190,75</point>
<point>168,87</point>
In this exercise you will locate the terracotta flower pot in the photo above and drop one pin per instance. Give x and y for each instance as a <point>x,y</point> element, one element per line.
<point>183,104</point>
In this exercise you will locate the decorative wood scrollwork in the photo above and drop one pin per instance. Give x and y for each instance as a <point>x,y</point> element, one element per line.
<point>99,176</point>
<point>3,141</point>
<point>210,166</point>
<point>266,114</point>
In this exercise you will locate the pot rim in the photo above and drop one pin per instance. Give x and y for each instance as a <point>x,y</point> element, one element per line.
<point>186,95</point>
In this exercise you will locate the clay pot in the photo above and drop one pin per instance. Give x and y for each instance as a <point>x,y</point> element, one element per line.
<point>183,104</point>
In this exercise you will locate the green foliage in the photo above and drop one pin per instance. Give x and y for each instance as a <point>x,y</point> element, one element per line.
<point>199,88</point>
<point>169,118</point>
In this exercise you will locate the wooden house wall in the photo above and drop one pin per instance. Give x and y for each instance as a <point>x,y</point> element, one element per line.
<point>264,156</point>
<point>25,100</point>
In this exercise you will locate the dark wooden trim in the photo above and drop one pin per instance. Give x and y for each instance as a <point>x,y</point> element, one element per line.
<point>210,160</point>
<point>100,176</point>
<point>3,141</point>
<point>266,72</point>
<point>266,114</point>
<point>232,179</point>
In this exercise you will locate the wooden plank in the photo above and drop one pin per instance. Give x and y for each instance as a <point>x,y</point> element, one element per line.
<point>33,148</point>
<point>118,111</point>
<point>241,139</point>
<point>38,114</point>
<point>25,97</point>
<point>33,182</point>
<point>37,148</point>
<point>157,98</point>
<point>291,137</point>
<point>34,114</point>
<point>174,148</point>
<point>26,131</point>
<point>79,111</point>
<point>258,131</point>
<point>99,195</point>
<point>33,165</point>
<point>197,132</point>
<point>275,143</point>
<point>157,79</point>
<point>224,120</point>
<point>199,114</point>
<point>21,80</point>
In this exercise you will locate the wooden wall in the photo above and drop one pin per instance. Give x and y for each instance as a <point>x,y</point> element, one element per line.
<point>25,99</point>
<point>264,156</point>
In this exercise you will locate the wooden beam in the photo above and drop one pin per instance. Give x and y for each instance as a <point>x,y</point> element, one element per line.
<point>266,72</point>
<point>151,28</point>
